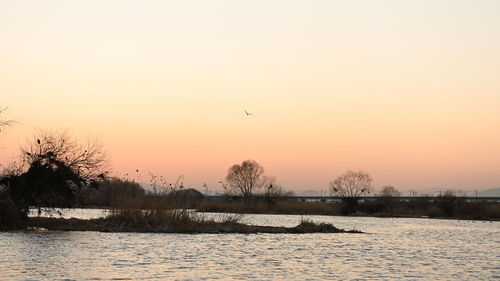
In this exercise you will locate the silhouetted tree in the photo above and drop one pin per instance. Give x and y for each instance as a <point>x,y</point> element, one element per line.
<point>247,178</point>
<point>350,186</point>
<point>47,183</point>
<point>56,166</point>
<point>87,160</point>
<point>390,191</point>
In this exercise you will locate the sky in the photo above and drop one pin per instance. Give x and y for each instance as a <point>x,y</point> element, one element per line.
<point>408,91</point>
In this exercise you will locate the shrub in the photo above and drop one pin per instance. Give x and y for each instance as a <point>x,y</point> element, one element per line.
<point>9,215</point>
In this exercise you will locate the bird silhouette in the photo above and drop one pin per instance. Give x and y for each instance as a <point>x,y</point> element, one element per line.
<point>247,113</point>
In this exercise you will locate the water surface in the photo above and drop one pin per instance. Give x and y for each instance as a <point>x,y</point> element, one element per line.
<point>403,249</point>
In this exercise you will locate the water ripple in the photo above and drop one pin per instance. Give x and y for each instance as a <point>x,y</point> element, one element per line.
<point>407,249</point>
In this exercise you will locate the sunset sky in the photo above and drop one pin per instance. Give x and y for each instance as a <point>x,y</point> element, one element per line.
<point>406,90</point>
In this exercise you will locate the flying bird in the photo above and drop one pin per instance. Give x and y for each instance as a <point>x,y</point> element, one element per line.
<point>247,113</point>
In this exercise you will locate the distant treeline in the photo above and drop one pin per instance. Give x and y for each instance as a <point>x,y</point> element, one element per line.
<point>115,192</point>
<point>435,207</point>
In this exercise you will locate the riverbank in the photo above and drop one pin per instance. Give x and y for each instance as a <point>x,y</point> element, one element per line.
<point>167,221</point>
<point>113,225</point>
<point>439,208</point>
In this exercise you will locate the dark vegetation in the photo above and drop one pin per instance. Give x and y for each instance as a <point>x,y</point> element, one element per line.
<point>9,215</point>
<point>445,206</point>
<point>118,193</point>
<point>52,170</point>
<point>266,205</point>
<point>135,210</point>
<point>175,221</point>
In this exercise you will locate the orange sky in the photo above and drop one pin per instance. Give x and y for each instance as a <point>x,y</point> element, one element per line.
<point>406,90</point>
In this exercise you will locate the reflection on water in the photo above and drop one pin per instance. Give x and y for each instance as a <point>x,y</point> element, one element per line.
<point>70,213</point>
<point>408,249</point>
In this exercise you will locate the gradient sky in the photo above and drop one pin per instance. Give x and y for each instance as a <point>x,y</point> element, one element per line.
<point>406,90</point>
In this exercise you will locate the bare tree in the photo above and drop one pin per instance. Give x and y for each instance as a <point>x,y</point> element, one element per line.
<point>351,184</point>
<point>55,167</point>
<point>3,122</point>
<point>247,178</point>
<point>390,191</point>
<point>88,160</point>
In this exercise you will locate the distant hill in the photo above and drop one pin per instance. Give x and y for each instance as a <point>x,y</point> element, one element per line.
<point>492,192</point>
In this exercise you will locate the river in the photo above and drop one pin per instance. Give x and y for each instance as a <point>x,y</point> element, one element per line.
<point>392,249</point>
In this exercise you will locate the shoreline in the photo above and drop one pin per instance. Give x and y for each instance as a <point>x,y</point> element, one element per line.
<point>106,208</point>
<point>204,227</point>
<point>395,216</point>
